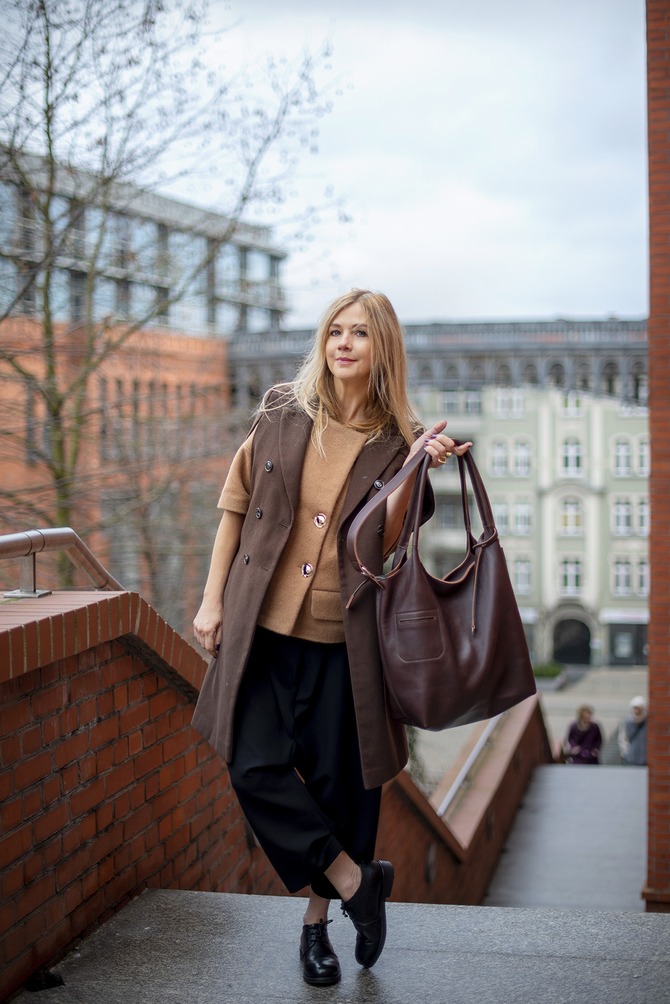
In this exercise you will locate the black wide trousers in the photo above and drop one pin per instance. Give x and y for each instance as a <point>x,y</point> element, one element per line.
<point>296,765</point>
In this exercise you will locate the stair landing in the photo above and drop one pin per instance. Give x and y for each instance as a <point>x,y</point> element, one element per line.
<point>170,947</point>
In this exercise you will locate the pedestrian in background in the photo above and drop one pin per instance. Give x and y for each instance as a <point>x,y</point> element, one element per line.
<point>584,739</point>
<point>633,734</point>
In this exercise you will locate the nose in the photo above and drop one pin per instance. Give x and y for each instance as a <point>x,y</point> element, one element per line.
<point>344,340</point>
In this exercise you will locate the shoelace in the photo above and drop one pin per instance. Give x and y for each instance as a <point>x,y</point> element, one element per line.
<point>318,932</point>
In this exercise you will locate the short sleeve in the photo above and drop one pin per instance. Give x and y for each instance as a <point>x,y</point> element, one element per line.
<point>237,489</point>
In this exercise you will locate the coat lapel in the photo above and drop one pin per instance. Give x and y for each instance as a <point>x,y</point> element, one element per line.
<point>372,461</point>
<point>294,432</point>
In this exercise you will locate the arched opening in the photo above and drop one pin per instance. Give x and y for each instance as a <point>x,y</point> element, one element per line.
<point>557,375</point>
<point>572,643</point>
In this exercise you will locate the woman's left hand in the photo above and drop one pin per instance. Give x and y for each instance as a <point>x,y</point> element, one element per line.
<point>438,445</point>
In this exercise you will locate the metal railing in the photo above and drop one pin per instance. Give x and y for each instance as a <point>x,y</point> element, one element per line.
<point>26,545</point>
<point>468,765</point>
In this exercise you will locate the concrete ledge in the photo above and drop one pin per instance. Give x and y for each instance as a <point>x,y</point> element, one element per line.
<point>213,948</point>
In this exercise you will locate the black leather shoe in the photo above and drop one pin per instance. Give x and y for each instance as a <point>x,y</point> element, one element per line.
<point>320,965</point>
<point>367,910</point>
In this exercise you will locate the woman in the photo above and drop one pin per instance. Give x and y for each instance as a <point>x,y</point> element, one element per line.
<point>583,741</point>
<point>294,701</point>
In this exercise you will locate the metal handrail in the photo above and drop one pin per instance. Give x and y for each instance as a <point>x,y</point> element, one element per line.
<point>468,765</point>
<point>27,544</point>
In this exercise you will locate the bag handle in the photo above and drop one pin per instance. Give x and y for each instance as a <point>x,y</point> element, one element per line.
<point>413,517</point>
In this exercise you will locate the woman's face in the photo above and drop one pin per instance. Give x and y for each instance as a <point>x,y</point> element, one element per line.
<point>586,717</point>
<point>348,350</point>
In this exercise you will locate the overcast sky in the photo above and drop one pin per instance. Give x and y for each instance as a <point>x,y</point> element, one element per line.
<point>491,153</point>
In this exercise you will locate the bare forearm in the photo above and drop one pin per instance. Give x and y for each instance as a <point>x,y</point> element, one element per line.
<point>396,507</point>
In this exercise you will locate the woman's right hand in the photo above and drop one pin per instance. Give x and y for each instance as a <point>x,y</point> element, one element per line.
<point>207,626</point>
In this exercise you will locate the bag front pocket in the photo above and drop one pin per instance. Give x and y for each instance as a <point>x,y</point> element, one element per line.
<point>419,635</point>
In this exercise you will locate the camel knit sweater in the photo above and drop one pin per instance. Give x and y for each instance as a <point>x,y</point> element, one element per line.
<point>305,605</point>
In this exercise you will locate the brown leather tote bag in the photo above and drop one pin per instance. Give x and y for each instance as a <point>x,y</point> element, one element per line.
<point>453,649</point>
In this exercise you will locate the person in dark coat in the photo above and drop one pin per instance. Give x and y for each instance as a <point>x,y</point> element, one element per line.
<point>633,734</point>
<point>294,699</point>
<point>584,739</point>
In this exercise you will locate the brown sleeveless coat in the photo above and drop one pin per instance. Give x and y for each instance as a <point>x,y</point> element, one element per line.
<point>281,437</point>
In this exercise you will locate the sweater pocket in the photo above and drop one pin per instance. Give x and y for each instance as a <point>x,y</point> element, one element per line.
<point>326,605</point>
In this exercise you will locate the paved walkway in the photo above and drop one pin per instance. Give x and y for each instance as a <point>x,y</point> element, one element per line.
<point>578,842</point>
<point>211,948</point>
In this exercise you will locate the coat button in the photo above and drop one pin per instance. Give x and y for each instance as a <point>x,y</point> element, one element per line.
<point>268,465</point>
<point>307,569</point>
<point>320,520</point>
<point>245,559</point>
<point>259,513</point>
<point>381,529</point>
<point>379,485</point>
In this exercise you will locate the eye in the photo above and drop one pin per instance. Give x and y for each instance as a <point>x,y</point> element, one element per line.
<point>363,334</point>
<point>334,332</point>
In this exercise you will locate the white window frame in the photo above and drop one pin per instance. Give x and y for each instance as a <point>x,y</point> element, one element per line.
<point>621,577</point>
<point>572,517</point>
<point>523,519</point>
<point>572,576</point>
<point>572,458</point>
<point>643,514</point>
<point>622,518</point>
<point>522,576</point>
<point>499,458</point>
<point>644,458</point>
<point>451,402</point>
<point>517,402</point>
<point>522,453</point>
<point>500,512</point>
<point>622,458</point>
<point>473,402</point>
<point>643,578</point>
<point>572,405</point>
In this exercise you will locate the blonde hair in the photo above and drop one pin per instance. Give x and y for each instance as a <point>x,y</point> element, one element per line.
<point>388,410</point>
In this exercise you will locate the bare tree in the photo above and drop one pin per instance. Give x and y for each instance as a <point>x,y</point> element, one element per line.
<point>102,102</point>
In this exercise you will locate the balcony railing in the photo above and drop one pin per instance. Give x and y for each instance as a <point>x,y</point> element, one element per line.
<point>26,545</point>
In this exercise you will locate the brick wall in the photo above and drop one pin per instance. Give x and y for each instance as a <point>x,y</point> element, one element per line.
<point>104,790</point>
<point>657,890</point>
<point>455,863</point>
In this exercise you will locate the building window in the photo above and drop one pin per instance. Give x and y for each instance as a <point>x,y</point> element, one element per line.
<point>571,577</point>
<point>522,459</point>
<point>473,402</point>
<point>572,405</point>
<point>522,518</point>
<point>571,517</point>
<point>522,576</point>
<point>509,402</point>
<point>572,458</point>
<point>622,521</point>
<point>499,459</point>
<point>621,578</point>
<point>502,402</point>
<point>643,518</point>
<point>643,459</point>
<point>643,578</point>
<point>500,517</point>
<point>450,402</point>
<point>449,512</point>
<point>622,458</point>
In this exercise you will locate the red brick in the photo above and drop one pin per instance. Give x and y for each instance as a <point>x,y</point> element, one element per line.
<point>119,778</point>
<point>30,771</point>
<point>52,821</point>
<point>87,711</point>
<point>53,852</point>
<point>71,749</point>
<point>134,743</point>
<point>89,883</point>
<point>87,768</point>
<point>106,732</point>
<point>14,717</point>
<point>121,749</point>
<point>73,868</point>
<point>32,802</point>
<point>31,740</point>
<point>34,895</point>
<point>132,718</point>
<point>105,704</point>
<point>14,879</point>
<point>11,814</point>
<point>92,794</point>
<point>10,750</point>
<point>117,671</point>
<point>14,943</point>
<point>69,719</point>
<point>107,842</point>
<point>135,692</point>
<point>137,821</point>
<point>46,702</point>
<point>150,760</point>
<point>50,729</point>
<point>105,816</point>
<point>104,760</point>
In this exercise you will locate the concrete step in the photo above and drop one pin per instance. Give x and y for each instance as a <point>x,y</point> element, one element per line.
<point>579,841</point>
<point>169,947</point>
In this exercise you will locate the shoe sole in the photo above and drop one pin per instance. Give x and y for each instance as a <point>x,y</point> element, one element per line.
<point>322,982</point>
<point>388,875</point>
